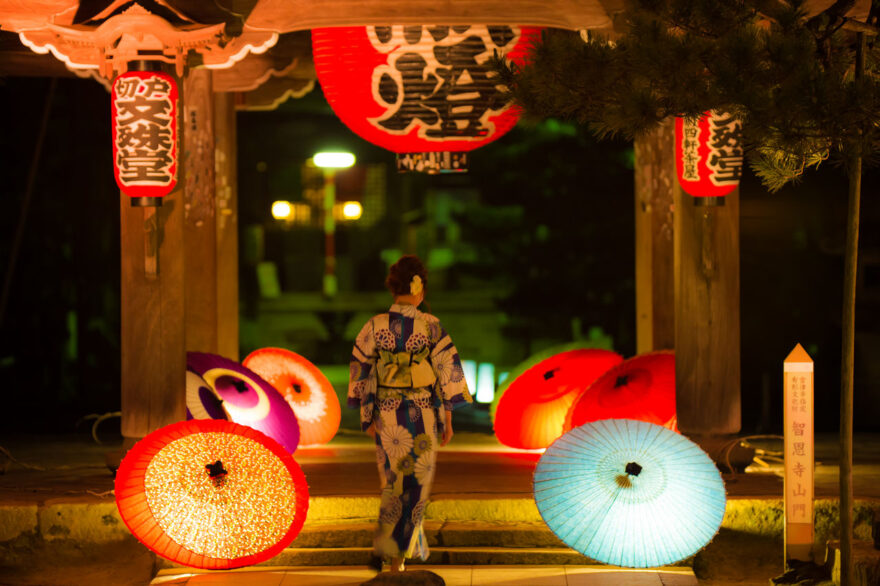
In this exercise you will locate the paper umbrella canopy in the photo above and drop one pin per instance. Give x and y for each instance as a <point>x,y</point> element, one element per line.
<point>304,387</point>
<point>629,493</point>
<point>246,397</point>
<point>532,410</point>
<point>211,494</point>
<point>641,387</point>
<point>201,400</point>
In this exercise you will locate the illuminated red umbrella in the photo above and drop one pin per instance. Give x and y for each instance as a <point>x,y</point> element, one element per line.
<point>201,400</point>
<point>211,494</point>
<point>641,388</point>
<point>247,398</point>
<point>304,387</point>
<point>532,410</point>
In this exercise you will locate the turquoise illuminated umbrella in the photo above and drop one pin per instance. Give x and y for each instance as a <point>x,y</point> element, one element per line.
<point>629,493</point>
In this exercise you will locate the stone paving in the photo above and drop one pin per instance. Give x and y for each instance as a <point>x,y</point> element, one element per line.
<point>452,575</point>
<point>57,491</point>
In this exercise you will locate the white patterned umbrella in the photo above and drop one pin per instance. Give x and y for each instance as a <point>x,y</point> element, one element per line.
<point>629,493</point>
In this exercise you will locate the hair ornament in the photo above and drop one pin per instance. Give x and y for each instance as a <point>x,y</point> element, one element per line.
<point>415,286</point>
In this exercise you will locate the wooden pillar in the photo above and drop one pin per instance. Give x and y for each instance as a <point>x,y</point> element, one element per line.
<point>191,302</point>
<point>707,330</point>
<point>152,314</point>
<point>200,232</point>
<point>655,185</point>
<point>211,219</point>
<point>226,179</point>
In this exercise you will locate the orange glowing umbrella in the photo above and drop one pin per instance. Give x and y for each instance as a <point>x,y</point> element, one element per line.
<point>211,494</point>
<point>304,387</point>
<point>641,388</point>
<point>532,410</point>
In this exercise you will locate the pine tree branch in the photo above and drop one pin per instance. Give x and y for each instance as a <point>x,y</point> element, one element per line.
<point>787,77</point>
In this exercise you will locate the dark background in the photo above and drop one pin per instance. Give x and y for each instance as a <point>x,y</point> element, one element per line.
<point>553,223</point>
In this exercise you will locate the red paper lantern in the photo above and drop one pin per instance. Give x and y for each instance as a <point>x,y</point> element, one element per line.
<point>144,122</point>
<point>423,92</point>
<point>532,410</point>
<point>708,155</point>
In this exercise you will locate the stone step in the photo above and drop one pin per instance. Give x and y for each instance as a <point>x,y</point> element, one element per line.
<point>457,556</point>
<point>451,543</point>
<point>438,533</point>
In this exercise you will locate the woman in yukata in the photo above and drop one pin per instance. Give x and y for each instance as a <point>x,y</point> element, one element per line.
<point>406,378</point>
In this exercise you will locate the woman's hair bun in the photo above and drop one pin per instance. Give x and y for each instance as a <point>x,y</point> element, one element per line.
<point>401,273</point>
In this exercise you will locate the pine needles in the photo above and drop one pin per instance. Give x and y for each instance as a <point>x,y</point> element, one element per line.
<point>789,77</point>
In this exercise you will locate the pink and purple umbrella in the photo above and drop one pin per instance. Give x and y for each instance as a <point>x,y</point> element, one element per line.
<point>201,400</point>
<point>247,398</point>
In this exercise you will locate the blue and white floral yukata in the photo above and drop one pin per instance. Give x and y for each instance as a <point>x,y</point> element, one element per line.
<point>405,373</point>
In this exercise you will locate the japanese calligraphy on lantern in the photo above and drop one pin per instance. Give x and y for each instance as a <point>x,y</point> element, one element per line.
<point>798,445</point>
<point>709,154</point>
<point>144,123</point>
<point>435,78</point>
<point>419,88</point>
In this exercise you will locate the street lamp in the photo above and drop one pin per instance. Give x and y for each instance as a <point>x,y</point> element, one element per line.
<point>333,160</point>
<point>281,210</point>
<point>329,162</point>
<point>352,210</point>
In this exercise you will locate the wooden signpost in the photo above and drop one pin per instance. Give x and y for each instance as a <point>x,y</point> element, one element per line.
<point>799,458</point>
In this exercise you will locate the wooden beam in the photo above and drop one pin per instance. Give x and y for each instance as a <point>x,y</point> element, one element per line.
<point>292,15</point>
<point>655,185</point>
<point>226,180</point>
<point>707,316</point>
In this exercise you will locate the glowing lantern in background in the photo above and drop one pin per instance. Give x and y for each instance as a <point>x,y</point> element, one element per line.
<point>641,388</point>
<point>304,387</point>
<point>709,156</point>
<point>144,124</point>
<point>247,398</point>
<point>532,410</point>
<point>423,92</point>
<point>211,494</point>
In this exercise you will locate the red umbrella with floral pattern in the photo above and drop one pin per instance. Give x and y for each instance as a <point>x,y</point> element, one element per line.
<point>211,494</point>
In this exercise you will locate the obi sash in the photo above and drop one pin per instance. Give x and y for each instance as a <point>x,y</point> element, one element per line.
<point>405,369</point>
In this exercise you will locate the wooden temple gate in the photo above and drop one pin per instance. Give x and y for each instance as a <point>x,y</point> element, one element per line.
<point>179,262</point>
